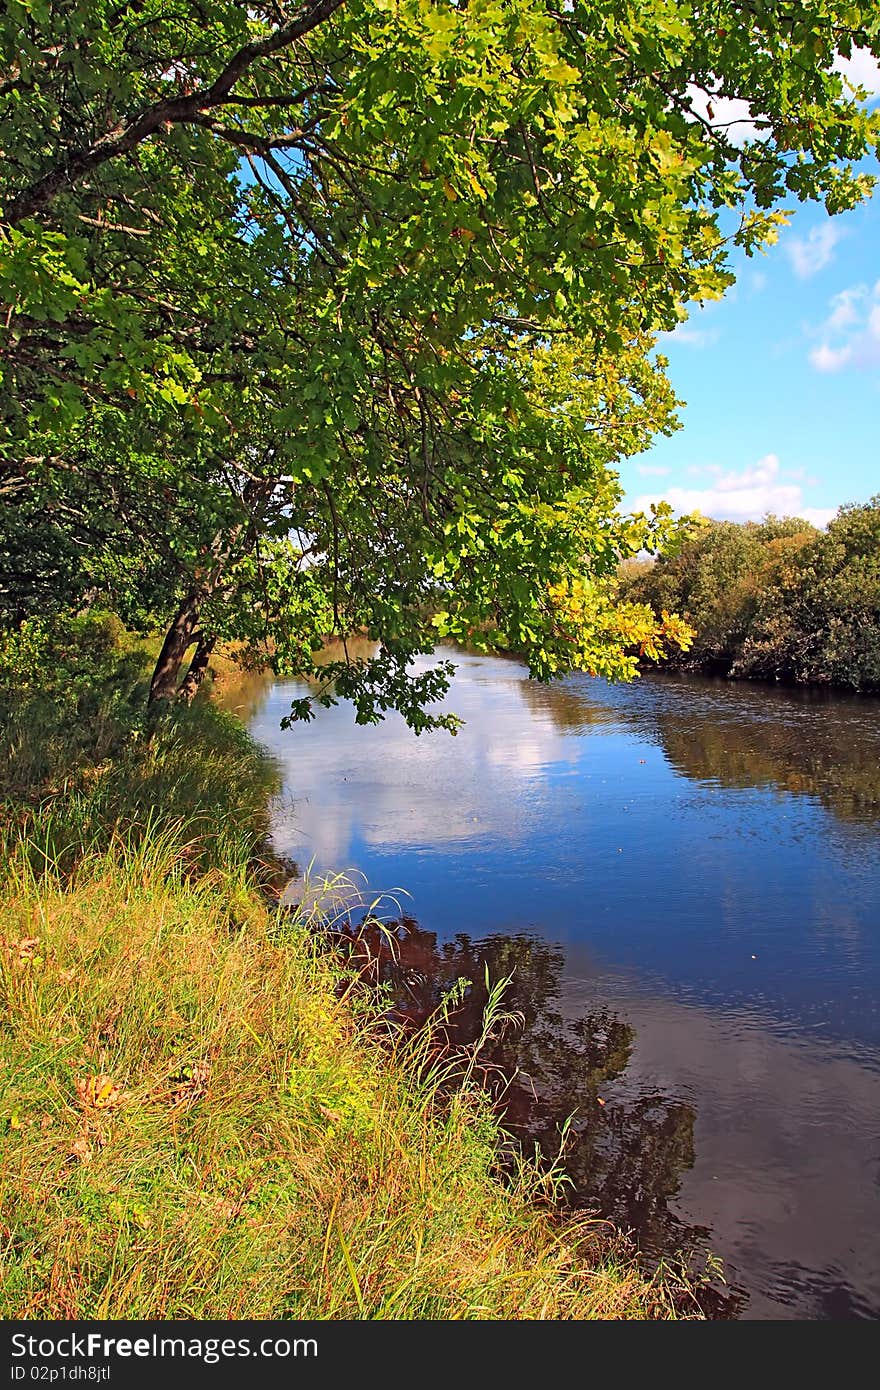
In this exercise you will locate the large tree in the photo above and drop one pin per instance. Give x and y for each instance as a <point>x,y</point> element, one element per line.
<point>338,315</point>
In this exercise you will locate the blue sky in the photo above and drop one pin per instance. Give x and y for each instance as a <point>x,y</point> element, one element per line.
<point>781,379</point>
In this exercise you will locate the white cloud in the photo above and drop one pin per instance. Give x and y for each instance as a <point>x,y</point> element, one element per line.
<point>819,516</point>
<point>845,307</point>
<point>812,253</point>
<point>731,115</point>
<point>742,496</point>
<point>652,470</point>
<point>861,69</point>
<point>850,335</point>
<point>687,336</point>
<point>829,359</point>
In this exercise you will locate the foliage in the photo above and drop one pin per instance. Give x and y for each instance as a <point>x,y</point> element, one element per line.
<point>339,316</point>
<point>71,693</point>
<point>778,601</point>
<point>83,766</point>
<point>72,655</point>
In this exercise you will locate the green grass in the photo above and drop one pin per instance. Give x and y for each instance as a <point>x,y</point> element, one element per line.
<point>200,1117</point>
<point>199,771</point>
<point>83,764</point>
<point>198,1125</point>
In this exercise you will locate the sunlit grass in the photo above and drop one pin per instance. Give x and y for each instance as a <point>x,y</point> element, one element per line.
<point>198,777</point>
<point>201,1116</point>
<point>198,1125</point>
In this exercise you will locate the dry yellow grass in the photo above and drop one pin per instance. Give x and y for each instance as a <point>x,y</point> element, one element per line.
<point>198,1121</point>
<point>198,1125</point>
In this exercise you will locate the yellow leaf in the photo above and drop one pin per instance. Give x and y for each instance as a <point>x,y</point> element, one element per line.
<point>98,1092</point>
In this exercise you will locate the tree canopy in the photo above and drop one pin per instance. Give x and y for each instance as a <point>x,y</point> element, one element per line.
<point>777,601</point>
<point>338,316</point>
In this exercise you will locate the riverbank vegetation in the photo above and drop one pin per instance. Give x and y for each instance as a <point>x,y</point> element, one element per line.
<point>200,1117</point>
<point>778,601</point>
<point>196,1127</point>
<point>339,317</point>
<point>322,319</point>
<point>85,764</point>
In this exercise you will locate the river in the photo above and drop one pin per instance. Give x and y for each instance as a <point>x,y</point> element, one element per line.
<point>683,875</point>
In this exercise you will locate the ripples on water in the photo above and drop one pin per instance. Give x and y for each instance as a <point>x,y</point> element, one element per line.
<point>698,861</point>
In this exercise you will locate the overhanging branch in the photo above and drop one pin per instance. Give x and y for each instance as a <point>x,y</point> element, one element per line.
<point>177,110</point>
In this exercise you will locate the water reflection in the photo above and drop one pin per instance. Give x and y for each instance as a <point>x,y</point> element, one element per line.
<point>802,743</point>
<point>623,1155</point>
<point>713,731</point>
<point>244,689</point>
<point>699,863</point>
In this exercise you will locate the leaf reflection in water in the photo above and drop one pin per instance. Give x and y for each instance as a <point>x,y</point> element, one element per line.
<point>623,1156</point>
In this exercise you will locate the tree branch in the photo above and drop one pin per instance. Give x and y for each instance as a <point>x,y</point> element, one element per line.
<point>175,110</point>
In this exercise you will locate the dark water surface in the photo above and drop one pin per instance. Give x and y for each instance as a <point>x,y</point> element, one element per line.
<point>685,876</point>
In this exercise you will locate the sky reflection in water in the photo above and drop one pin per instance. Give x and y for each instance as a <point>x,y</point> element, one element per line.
<point>706,855</point>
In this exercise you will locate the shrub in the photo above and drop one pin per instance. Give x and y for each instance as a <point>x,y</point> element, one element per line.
<point>777,601</point>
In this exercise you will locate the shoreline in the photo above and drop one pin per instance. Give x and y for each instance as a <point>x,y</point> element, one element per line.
<point>190,1075</point>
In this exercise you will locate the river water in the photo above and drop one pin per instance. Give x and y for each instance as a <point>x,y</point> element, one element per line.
<point>683,876</point>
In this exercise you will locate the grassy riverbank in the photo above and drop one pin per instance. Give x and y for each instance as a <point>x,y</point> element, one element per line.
<point>199,1119</point>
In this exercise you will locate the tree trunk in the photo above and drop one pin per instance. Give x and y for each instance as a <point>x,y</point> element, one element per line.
<point>178,639</point>
<point>165,684</point>
<point>196,673</point>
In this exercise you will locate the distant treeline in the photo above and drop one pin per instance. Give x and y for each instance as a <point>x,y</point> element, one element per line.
<point>779,600</point>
